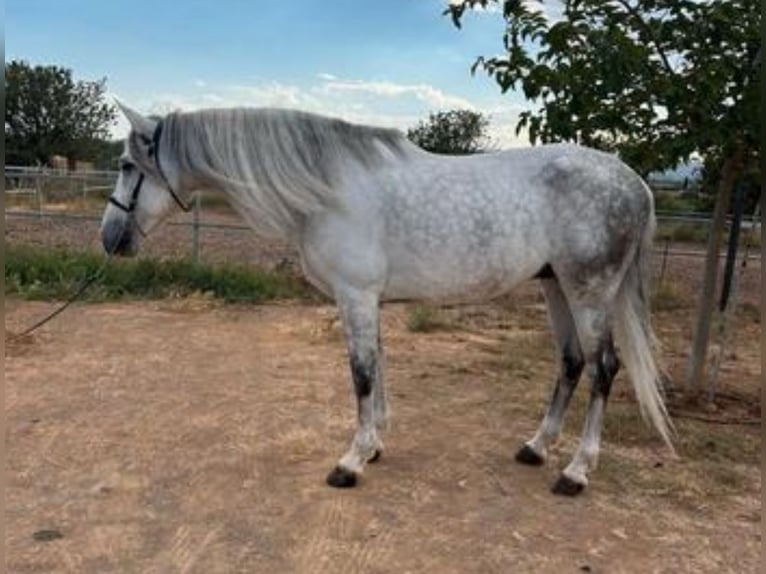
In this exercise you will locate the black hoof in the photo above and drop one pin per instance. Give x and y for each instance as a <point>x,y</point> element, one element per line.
<point>567,486</point>
<point>341,478</point>
<point>528,456</point>
<point>375,457</point>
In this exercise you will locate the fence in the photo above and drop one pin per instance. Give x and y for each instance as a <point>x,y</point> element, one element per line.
<point>62,184</point>
<point>55,201</point>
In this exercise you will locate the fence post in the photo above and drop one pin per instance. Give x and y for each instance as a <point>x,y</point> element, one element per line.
<point>195,227</point>
<point>664,264</point>
<point>39,193</point>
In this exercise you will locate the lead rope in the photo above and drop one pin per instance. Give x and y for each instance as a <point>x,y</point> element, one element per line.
<point>84,286</point>
<point>88,281</point>
<point>79,292</point>
<point>154,144</point>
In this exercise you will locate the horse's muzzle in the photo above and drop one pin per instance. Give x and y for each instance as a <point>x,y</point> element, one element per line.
<point>118,237</point>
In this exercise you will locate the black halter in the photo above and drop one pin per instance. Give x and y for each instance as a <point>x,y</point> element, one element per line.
<point>154,145</point>
<point>131,207</point>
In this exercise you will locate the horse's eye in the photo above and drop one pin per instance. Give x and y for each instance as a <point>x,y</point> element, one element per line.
<point>126,167</point>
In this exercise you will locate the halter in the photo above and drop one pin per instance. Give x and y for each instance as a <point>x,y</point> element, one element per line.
<point>154,145</point>
<point>129,209</point>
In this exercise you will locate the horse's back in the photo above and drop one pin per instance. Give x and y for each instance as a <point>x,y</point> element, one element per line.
<point>469,227</point>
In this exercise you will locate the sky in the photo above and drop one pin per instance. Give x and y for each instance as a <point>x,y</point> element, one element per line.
<point>380,62</point>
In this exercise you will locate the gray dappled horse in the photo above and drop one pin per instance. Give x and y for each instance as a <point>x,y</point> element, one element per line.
<point>376,218</point>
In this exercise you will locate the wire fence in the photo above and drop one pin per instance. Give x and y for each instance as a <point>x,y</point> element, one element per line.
<point>61,208</point>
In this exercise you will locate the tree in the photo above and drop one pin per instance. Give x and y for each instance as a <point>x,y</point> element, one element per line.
<point>106,154</point>
<point>457,132</point>
<point>653,80</point>
<point>48,112</point>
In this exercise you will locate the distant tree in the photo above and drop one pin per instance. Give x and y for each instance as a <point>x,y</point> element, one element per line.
<point>49,113</point>
<point>456,132</point>
<point>653,80</point>
<point>106,153</point>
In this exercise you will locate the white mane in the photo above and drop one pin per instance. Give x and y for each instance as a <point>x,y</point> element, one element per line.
<point>278,166</point>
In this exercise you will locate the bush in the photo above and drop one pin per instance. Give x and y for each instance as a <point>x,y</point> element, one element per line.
<point>673,200</point>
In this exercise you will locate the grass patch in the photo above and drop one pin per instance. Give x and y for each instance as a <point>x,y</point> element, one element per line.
<point>36,273</point>
<point>668,297</point>
<point>525,356</point>
<point>667,200</point>
<point>424,318</point>
<point>681,232</point>
<point>713,462</point>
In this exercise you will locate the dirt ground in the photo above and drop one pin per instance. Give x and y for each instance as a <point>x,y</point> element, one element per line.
<point>190,436</point>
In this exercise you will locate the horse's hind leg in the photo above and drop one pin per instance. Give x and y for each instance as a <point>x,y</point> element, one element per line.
<point>380,410</point>
<point>360,316</point>
<point>535,451</point>
<point>594,331</point>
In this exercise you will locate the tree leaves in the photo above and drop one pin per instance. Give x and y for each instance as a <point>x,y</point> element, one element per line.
<point>655,80</point>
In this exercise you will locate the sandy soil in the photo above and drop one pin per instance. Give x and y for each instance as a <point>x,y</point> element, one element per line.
<point>188,436</point>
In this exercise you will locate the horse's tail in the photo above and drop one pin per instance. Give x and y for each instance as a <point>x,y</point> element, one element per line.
<point>636,339</point>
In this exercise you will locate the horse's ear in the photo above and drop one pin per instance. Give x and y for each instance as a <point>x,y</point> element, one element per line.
<point>139,123</point>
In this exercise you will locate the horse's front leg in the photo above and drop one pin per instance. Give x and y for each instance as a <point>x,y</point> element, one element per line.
<point>359,313</point>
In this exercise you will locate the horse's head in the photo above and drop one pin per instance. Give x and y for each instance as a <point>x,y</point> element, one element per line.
<point>147,189</point>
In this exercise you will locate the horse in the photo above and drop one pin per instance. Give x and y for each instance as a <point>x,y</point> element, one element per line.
<point>374,218</point>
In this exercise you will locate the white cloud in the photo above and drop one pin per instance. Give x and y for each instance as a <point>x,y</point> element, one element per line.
<point>429,95</point>
<point>552,10</point>
<point>382,103</point>
<point>273,94</point>
<point>503,135</point>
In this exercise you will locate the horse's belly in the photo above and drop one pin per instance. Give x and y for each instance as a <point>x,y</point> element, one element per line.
<point>452,277</point>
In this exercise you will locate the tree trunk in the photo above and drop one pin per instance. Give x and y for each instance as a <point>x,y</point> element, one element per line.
<point>731,252</point>
<point>706,308</point>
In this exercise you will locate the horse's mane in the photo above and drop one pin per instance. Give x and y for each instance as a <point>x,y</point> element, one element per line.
<point>278,166</point>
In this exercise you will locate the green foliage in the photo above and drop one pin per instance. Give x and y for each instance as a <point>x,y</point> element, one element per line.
<point>423,318</point>
<point>106,154</point>
<point>654,80</point>
<point>48,112</point>
<point>680,202</point>
<point>457,132</point>
<point>36,273</point>
<point>749,177</point>
<point>683,232</point>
